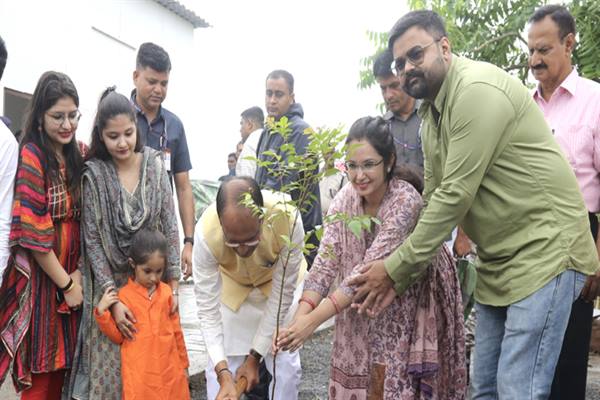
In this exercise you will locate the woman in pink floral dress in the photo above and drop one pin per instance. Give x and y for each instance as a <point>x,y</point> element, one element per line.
<point>414,349</point>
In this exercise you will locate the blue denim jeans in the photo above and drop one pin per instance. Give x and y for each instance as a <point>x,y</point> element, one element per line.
<point>517,346</point>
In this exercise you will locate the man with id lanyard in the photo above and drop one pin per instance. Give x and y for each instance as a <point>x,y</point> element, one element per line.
<point>162,130</point>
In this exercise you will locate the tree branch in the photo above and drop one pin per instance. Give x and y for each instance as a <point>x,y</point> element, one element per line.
<point>493,40</point>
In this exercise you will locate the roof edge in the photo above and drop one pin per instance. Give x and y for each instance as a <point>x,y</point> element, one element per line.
<point>179,9</point>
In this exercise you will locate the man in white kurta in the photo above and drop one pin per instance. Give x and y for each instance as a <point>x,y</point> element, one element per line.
<point>251,127</point>
<point>9,156</point>
<point>238,270</point>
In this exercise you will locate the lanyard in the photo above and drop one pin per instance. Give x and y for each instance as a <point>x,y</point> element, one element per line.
<point>164,138</point>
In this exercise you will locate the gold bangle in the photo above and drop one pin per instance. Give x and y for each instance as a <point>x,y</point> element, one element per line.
<point>69,286</point>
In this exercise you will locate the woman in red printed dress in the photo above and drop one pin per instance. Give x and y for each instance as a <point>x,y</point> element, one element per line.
<point>41,291</point>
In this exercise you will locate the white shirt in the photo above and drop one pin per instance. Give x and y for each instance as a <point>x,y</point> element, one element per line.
<point>9,157</point>
<point>248,167</point>
<point>229,333</point>
<point>328,187</point>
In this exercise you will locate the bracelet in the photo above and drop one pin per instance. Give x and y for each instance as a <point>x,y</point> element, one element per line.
<point>188,239</point>
<point>69,286</point>
<point>308,301</point>
<point>335,303</point>
<point>223,370</point>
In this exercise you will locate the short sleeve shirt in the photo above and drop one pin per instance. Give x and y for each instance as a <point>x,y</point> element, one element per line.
<point>167,135</point>
<point>407,138</point>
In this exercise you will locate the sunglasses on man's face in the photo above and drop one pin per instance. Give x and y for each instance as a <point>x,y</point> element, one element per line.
<point>415,56</point>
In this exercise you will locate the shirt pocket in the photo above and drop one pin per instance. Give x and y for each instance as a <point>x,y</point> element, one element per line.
<point>577,144</point>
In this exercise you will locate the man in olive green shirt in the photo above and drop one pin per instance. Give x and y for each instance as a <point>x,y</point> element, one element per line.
<point>492,167</point>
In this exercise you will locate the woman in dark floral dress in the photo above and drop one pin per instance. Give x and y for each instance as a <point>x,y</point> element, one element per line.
<point>125,188</point>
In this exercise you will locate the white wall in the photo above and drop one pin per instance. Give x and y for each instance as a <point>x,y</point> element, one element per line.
<point>63,35</point>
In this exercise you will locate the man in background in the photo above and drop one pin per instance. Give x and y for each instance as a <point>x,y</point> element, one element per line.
<point>9,157</point>
<point>252,123</point>
<point>280,102</point>
<point>231,163</point>
<point>163,130</point>
<point>571,105</point>
<point>401,113</point>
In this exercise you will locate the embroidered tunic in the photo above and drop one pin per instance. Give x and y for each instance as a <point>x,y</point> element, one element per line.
<point>38,329</point>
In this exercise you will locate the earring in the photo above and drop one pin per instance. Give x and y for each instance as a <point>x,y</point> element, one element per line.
<point>389,169</point>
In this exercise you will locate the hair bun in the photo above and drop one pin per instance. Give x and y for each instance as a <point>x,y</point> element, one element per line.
<point>108,90</point>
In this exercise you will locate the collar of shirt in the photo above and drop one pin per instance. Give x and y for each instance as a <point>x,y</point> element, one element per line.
<point>139,110</point>
<point>255,132</point>
<point>388,116</point>
<point>569,85</point>
<point>143,291</point>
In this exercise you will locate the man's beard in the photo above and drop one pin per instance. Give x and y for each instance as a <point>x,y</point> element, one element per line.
<point>418,88</point>
<point>426,82</point>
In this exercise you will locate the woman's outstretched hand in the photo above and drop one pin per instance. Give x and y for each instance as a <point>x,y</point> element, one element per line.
<point>292,337</point>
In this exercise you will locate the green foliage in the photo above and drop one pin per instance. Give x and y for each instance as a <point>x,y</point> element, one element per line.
<point>495,31</point>
<point>356,223</point>
<point>379,40</point>
<point>323,148</point>
<point>587,18</point>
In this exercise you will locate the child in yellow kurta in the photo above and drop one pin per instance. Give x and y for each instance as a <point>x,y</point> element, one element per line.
<point>153,365</point>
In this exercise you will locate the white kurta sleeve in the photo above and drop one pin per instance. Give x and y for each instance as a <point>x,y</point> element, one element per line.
<point>243,166</point>
<point>207,289</point>
<point>264,335</point>
<point>9,157</point>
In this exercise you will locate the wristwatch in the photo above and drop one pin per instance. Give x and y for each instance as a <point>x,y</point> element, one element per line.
<point>255,354</point>
<point>188,239</point>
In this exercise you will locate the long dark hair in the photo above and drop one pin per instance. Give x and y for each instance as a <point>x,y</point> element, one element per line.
<point>51,87</point>
<point>376,131</point>
<point>110,105</point>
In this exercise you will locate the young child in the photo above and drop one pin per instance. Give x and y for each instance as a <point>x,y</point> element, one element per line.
<point>153,365</point>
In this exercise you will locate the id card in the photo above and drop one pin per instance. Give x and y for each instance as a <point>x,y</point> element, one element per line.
<point>167,159</point>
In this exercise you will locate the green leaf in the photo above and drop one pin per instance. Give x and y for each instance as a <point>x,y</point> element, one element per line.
<point>355,227</point>
<point>286,240</point>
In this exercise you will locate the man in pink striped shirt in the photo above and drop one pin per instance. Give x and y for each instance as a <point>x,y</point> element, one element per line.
<point>571,105</point>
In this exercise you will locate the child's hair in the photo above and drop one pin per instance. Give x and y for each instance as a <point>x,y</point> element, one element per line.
<point>111,104</point>
<point>144,243</point>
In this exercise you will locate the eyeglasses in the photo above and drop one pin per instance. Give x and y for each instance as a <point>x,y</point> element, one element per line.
<point>369,166</point>
<point>250,243</point>
<point>415,56</point>
<point>59,118</point>
<point>247,244</point>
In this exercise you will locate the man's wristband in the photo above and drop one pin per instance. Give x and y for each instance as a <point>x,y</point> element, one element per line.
<point>188,239</point>
<point>224,369</point>
<point>255,354</point>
